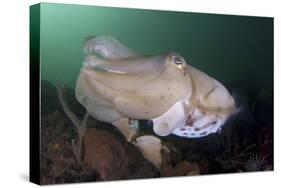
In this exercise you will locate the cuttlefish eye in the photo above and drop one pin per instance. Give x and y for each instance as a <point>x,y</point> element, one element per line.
<point>178,62</point>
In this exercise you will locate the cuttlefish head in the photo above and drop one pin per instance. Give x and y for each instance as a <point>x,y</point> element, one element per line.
<point>204,112</point>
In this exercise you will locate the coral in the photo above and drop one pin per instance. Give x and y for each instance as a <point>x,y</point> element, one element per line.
<point>231,150</point>
<point>106,155</point>
<point>245,153</point>
<point>265,140</point>
<point>234,156</point>
<point>183,168</point>
<point>244,144</point>
<point>255,162</point>
<point>58,162</point>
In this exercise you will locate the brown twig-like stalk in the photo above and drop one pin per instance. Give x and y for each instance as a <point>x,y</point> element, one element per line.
<point>81,126</point>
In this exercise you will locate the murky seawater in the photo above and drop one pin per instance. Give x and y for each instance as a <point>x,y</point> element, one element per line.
<point>235,50</point>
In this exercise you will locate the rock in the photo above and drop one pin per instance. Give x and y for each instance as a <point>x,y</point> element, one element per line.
<point>113,158</point>
<point>105,153</point>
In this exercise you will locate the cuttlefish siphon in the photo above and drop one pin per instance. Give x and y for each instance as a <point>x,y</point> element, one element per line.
<point>117,85</point>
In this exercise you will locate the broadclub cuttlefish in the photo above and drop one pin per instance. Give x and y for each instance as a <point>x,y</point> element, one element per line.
<point>120,86</point>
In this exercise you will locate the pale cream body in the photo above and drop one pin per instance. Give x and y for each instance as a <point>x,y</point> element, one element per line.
<point>124,85</point>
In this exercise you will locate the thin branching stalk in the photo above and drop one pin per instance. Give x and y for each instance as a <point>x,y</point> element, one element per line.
<point>81,126</point>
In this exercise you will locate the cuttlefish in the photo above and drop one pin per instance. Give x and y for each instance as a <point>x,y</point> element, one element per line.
<point>119,86</point>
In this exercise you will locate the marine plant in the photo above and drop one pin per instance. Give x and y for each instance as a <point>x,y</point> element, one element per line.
<point>81,125</point>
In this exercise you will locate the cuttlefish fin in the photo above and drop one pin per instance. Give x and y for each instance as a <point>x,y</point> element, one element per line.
<point>108,48</point>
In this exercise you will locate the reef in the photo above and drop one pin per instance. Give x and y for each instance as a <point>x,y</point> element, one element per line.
<point>245,143</point>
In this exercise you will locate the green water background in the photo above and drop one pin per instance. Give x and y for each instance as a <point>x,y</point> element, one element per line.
<point>228,48</point>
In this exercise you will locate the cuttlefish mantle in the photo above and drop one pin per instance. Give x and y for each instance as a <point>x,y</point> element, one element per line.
<point>116,82</point>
